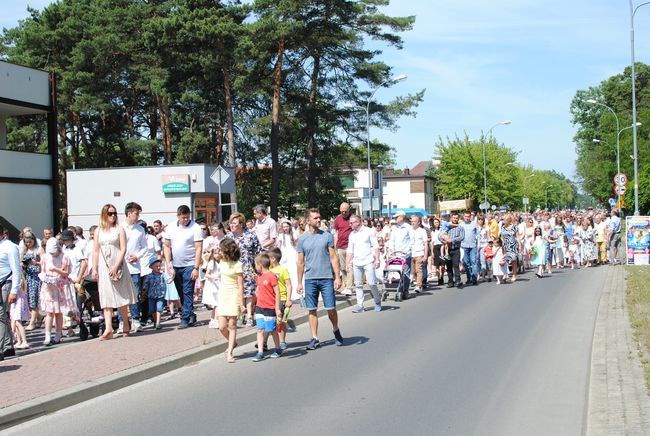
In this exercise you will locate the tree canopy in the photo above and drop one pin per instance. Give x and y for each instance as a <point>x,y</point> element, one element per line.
<point>596,161</point>
<point>460,175</point>
<point>257,84</point>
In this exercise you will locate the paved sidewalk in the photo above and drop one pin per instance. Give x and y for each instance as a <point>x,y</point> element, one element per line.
<point>618,398</point>
<point>51,380</point>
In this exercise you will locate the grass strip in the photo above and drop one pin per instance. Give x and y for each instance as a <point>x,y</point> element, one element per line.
<point>638,303</point>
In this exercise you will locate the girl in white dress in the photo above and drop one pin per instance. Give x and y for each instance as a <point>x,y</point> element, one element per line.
<point>211,286</point>
<point>287,245</point>
<point>113,280</point>
<point>499,263</point>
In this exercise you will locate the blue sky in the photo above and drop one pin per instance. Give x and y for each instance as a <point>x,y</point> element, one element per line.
<point>484,62</point>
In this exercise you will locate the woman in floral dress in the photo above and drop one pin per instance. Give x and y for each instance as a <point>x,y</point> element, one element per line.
<point>249,246</point>
<point>588,236</point>
<point>31,267</point>
<point>511,245</point>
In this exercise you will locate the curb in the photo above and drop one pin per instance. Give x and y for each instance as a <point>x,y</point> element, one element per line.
<point>19,413</point>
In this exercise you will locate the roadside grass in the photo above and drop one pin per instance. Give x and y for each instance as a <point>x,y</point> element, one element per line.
<point>638,303</point>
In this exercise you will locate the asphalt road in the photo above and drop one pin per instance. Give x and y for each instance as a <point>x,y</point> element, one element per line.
<point>490,360</point>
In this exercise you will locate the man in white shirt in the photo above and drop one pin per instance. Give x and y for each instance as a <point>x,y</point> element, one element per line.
<point>136,249</point>
<point>266,229</point>
<point>184,244</point>
<point>362,256</point>
<point>10,278</point>
<point>400,243</point>
<point>420,252</point>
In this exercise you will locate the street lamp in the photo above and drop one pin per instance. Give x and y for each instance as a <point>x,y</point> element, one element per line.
<point>634,123</point>
<point>526,191</point>
<point>618,143</point>
<point>546,186</point>
<point>489,133</point>
<point>367,109</point>
<point>636,204</point>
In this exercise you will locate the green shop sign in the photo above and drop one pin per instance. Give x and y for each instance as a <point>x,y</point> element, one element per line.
<point>176,183</point>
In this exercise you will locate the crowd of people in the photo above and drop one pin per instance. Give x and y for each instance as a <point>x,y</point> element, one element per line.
<point>127,275</point>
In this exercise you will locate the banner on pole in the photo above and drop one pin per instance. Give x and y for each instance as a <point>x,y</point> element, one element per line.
<point>637,240</point>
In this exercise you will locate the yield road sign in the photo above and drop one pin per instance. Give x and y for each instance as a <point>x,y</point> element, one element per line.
<point>620,179</point>
<point>219,175</point>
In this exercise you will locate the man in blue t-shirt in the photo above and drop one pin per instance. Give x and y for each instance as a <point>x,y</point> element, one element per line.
<point>318,263</point>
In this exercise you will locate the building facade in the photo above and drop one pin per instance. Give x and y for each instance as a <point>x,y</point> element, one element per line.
<point>411,188</point>
<point>158,189</point>
<point>28,180</point>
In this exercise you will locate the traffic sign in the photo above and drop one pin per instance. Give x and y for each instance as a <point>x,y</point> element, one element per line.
<point>524,200</point>
<point>219,175</point>
<point>484,206</point>
<point>620,190</point>
<point>620,179</point>
<point>494,207</point>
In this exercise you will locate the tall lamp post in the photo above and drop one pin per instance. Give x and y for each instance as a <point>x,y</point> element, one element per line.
<point>633,10</point>
<point>489,133</point>
<point>526,191</point>
<point>618,143</point>
<point>391,80</point>
<point>636,203</point>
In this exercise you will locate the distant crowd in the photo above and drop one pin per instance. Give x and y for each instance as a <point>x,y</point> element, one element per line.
<point>126,276</point>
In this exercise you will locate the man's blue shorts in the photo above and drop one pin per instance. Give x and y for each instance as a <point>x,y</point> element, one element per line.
<point>326,289</point>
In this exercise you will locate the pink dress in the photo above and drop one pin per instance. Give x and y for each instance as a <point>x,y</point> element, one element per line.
<point>53,294</point>
<point>19,309</point>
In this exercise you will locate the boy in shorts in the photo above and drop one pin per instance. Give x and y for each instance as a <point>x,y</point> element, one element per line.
<point>267,308</point>
<point>284,284</point>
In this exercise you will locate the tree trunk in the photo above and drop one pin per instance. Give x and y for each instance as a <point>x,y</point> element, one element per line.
<point>153,134</point>
<point>230,122</point>
<point>275,131</point>
<point>312,128</point>
<point>165,128</point>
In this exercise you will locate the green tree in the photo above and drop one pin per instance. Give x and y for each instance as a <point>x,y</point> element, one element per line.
<point>460,174</point>
<point>596,162</point>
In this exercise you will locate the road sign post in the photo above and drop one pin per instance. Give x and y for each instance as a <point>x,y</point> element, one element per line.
<point>220,176</point>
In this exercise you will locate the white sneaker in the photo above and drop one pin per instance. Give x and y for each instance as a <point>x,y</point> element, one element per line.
<point>346,292</point>
<point>120,329</point>
<point>136,326</point>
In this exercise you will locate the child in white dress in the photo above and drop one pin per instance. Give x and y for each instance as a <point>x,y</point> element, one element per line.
<point>211,286</point>
<point>499,264</point>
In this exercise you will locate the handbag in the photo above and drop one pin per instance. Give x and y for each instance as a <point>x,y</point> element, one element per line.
<point>117,277</point>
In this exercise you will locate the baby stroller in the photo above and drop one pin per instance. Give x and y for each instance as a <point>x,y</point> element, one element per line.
<point>91,319</point>
<point>394,277</point>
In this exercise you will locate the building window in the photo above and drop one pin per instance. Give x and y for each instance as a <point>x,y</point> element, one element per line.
<point>205,209</point>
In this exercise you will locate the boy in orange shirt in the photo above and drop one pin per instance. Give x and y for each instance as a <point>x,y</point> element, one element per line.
<point>267,308</point>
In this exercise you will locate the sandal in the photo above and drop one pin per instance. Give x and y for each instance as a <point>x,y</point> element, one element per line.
<point>106,336</point>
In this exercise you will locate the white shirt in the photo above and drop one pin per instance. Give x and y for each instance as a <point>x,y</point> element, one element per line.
<point>75,255</point>
<point>88,255</point>
<point>402,238</point>
<point>362,244</point>
<point>420,241</point>
<point>10,264</point>
<point>182,241</point>
<point>153,248</point>
<point>265,230</point>
<point>136,243</point>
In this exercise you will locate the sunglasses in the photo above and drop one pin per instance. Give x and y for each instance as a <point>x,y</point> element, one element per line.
<point>111,213</point>
<point>204,229</point>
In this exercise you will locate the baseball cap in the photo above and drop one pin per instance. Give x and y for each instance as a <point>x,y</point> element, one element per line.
<point>153,260</point>
<point>67,235</point>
